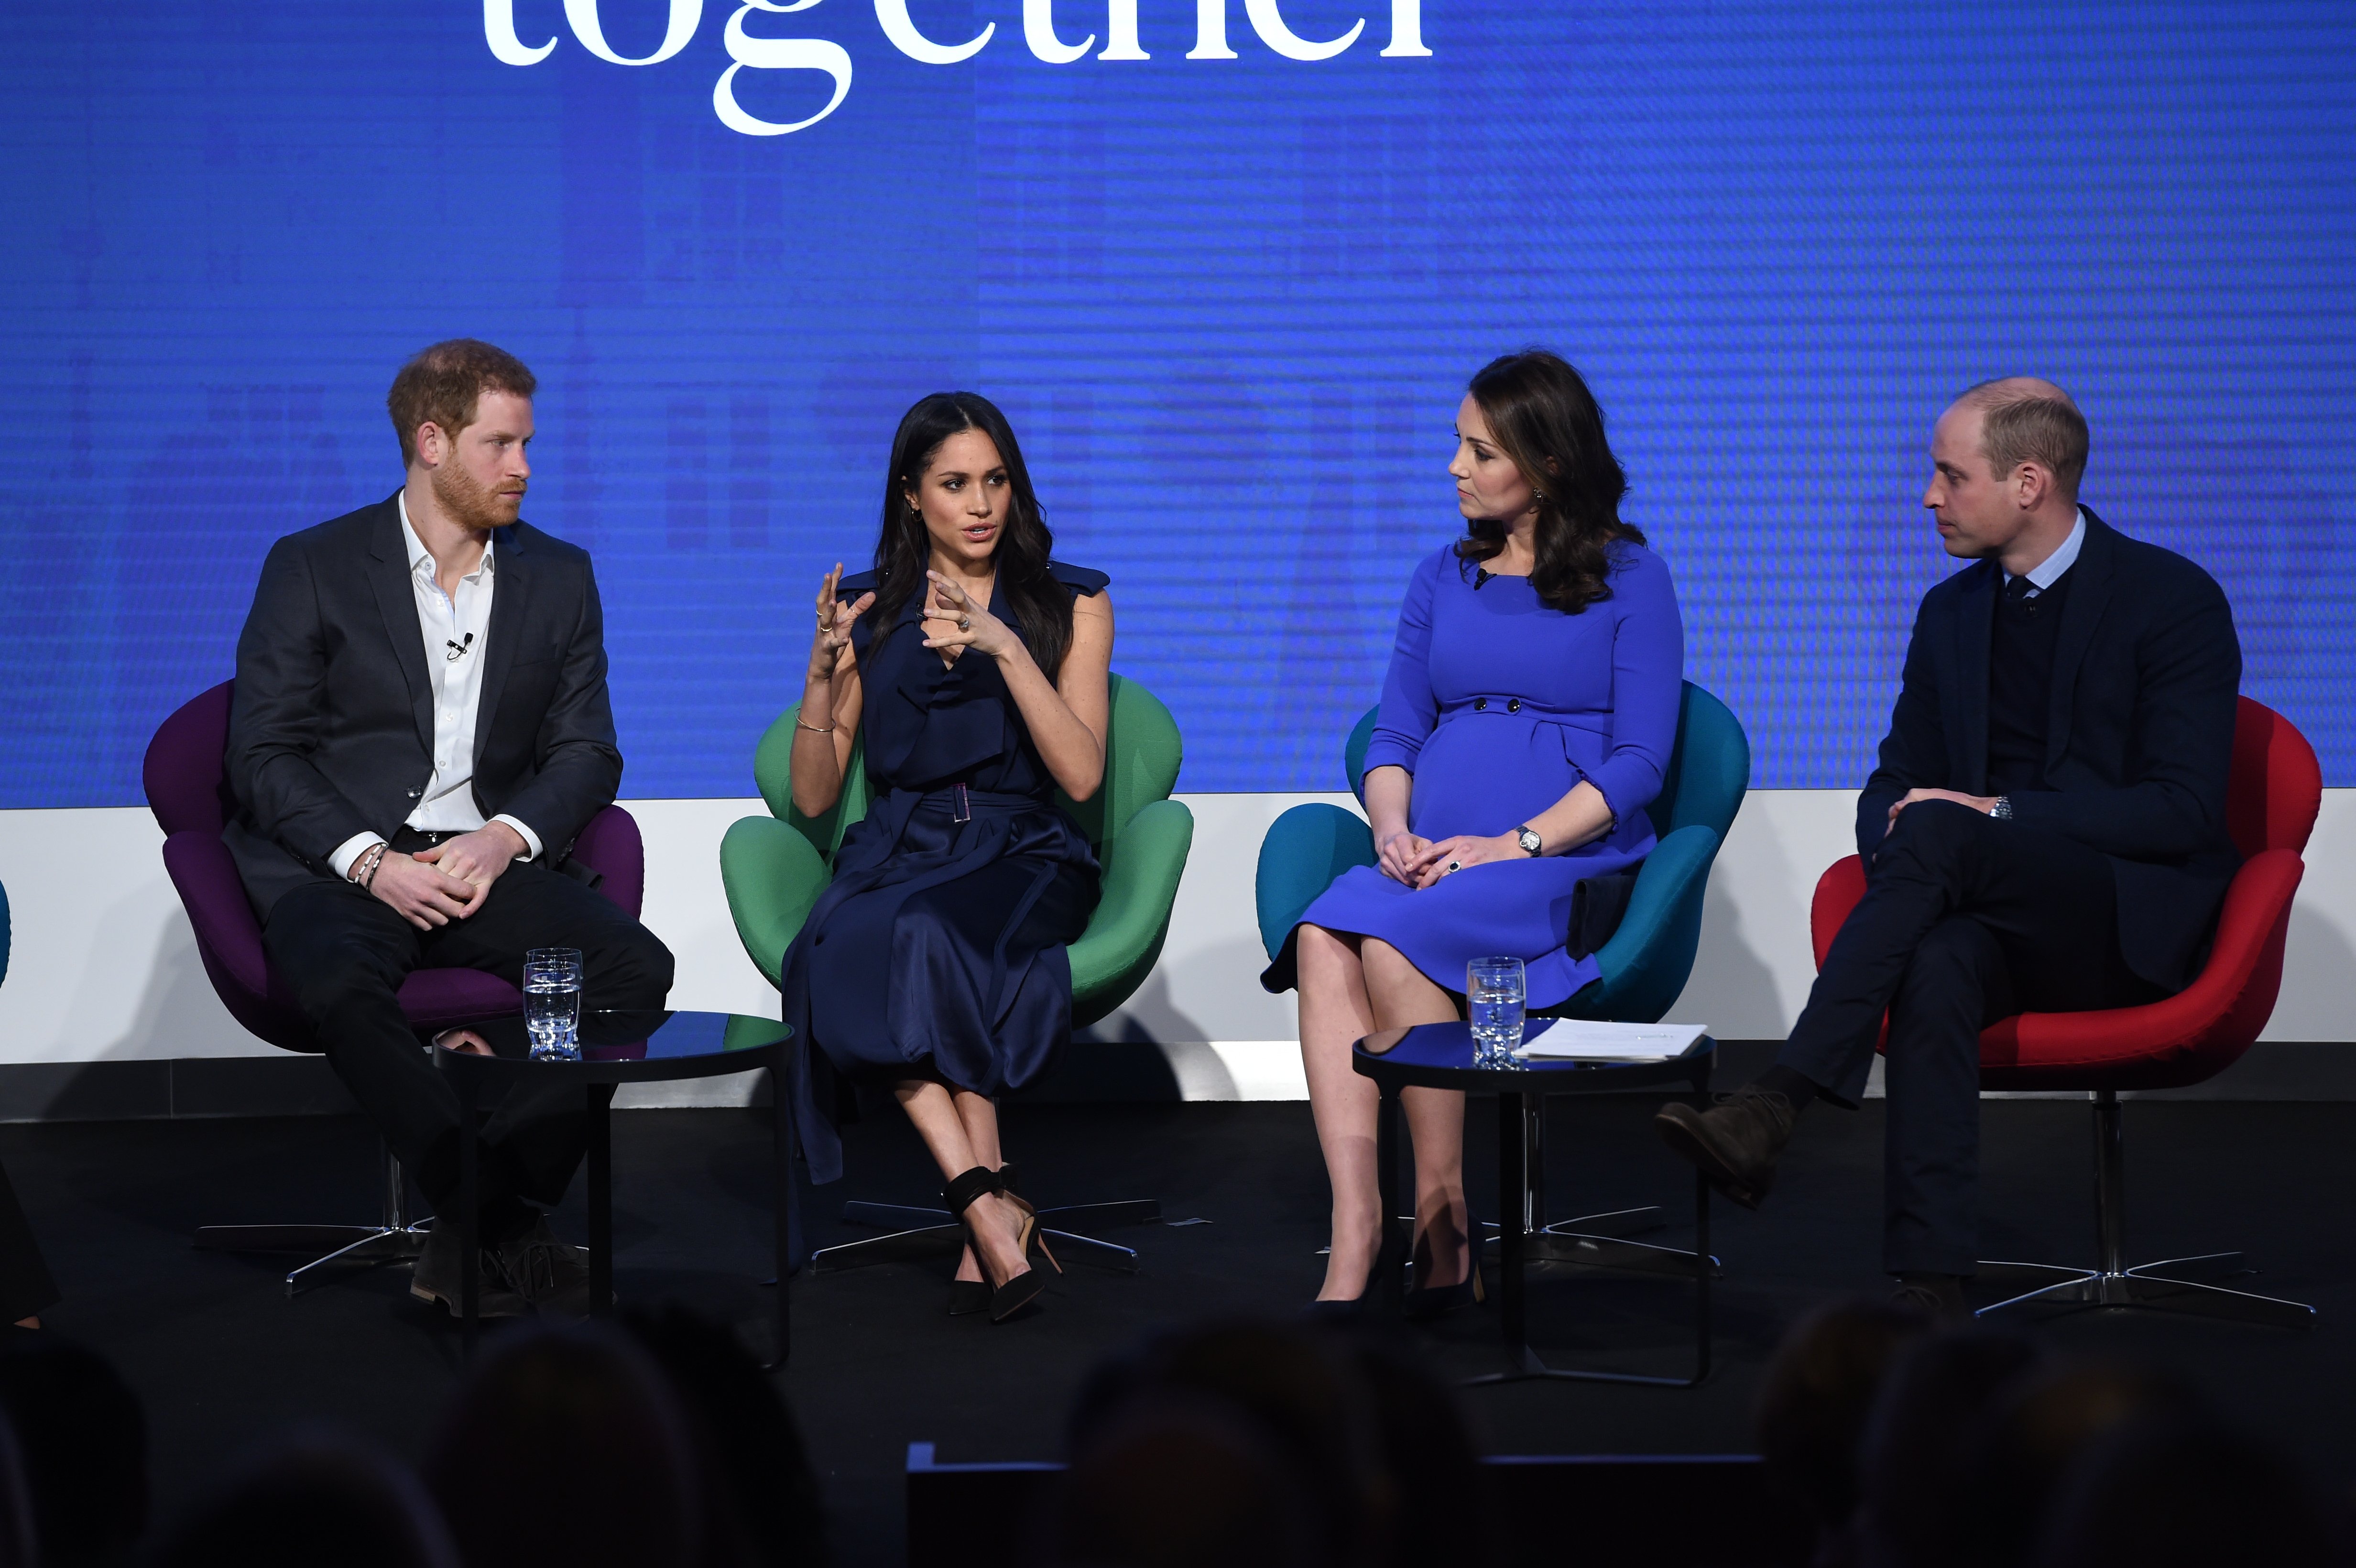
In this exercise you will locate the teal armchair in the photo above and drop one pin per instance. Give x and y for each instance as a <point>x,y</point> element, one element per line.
<point>774,868</point>
<point>1644,965</point>
<point>1648,960</point>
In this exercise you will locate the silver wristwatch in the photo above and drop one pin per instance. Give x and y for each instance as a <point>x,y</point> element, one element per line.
<point>2002,809</point>
<point>1527,838</point>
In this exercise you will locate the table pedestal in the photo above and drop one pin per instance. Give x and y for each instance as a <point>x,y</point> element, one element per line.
<point>1523,1237</point>
<point>468,1076</point>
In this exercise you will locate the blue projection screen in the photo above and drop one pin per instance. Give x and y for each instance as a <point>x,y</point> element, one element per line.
<point>1226,263</point>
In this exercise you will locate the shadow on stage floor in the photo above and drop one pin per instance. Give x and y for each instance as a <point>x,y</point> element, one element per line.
<point>221,1357</point>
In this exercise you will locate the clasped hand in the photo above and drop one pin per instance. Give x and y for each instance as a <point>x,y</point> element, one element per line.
<point>954,622</point>
<point>1420,862</point>
<point>450,880</point>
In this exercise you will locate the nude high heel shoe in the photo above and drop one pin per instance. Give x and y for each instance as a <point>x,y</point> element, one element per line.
<point>1033,1235</point>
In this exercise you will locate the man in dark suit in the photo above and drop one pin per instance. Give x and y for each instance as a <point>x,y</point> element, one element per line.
<point>419,728</point>
<point>2045,831</point>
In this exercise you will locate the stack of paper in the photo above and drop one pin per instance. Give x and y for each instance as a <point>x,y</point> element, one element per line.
<point>1577,1039</point>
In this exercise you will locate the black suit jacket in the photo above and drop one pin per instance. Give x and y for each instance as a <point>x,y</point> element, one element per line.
<point>2139,738</point>
<point>331,721</point>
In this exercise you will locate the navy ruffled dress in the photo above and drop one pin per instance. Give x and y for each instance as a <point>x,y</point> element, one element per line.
<point>1499,705</point>
<point>939,945</point>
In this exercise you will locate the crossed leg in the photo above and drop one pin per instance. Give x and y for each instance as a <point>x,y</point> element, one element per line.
<point>1349,987</point>
<point>960,1130</point>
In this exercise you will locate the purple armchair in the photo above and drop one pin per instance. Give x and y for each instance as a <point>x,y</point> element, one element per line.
<point>188,788</point>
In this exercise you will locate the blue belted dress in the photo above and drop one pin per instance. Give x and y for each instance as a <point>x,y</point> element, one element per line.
<point>1499,705</point>
<point>939,947</point>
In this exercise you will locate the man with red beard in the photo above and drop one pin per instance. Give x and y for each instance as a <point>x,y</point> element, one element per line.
<point>419,728</point>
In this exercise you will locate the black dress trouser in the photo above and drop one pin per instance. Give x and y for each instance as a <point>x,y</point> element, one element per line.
<point>1965,920</point>
<point>344,954</point>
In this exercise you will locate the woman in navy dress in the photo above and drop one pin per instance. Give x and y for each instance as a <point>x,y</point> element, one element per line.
<point>935,961</point>
<point>1529,712</point>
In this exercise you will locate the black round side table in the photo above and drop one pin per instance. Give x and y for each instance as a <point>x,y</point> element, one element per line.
<point>616,1047</point>
<point>1439,1056</point>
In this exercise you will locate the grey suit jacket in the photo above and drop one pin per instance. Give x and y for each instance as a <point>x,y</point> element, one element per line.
<point>331,721</point>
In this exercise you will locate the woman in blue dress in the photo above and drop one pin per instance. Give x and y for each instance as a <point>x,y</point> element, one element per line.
<point>935,961</point>
<point>1529,712</point>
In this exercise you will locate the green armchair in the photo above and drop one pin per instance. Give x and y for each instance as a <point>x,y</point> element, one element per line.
<point>773,869</point>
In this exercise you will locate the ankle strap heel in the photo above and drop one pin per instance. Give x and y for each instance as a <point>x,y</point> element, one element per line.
<point>1020,1291</point>
<point>960,1194</point>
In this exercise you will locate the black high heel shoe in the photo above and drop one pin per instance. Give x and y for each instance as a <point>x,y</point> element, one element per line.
<point>967,1296</point>
<point>1017,1292</point>
<point>1427,1303</point>
<point>1347,1308</point>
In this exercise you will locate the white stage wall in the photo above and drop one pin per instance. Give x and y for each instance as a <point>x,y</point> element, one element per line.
<point>105,968</point>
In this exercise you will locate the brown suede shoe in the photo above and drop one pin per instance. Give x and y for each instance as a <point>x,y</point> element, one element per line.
<point>552,1275</point>
<point>435,1277</point>
<point>1734,1143</point>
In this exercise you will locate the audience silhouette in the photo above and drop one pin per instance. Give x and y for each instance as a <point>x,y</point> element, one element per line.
<point>661,1443</point>
<point>318,1496</point>
<point>82,1438</point>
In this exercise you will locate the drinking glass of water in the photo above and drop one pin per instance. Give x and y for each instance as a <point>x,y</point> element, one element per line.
<point>1494,992</point>
<point>551,1003</point>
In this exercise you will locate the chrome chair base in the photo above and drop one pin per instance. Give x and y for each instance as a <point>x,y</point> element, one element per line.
<point>347,1248</point>
<point>925,1232</point>
<point>2162,1287</point>
<point>353,1246</point>
<point>2157,1286</point>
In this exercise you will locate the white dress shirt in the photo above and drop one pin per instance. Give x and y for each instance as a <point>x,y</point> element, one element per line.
<point>2048,572</point>
<point>456,628</point>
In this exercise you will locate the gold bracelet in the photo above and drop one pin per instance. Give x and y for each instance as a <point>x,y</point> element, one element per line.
<point>813,727</point>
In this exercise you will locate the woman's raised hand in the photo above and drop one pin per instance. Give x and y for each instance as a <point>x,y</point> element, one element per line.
<point>835,620</point>
<point>952,620</point>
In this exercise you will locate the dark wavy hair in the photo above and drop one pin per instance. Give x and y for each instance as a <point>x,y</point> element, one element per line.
<point>1042,610</point>
<point>1545,419</point>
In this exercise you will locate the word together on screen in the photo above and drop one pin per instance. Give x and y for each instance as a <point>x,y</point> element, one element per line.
<point>753,52</point>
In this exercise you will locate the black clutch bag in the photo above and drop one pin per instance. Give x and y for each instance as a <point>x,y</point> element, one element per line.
<point>1597,904</point>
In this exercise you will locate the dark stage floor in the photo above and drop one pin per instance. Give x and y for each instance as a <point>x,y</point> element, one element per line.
<point>221,1357</point>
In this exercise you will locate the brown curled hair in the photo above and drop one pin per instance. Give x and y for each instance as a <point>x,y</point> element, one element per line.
<point>1547,421</point>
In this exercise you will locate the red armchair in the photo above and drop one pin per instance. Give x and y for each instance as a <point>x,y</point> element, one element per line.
<point>2275,792</point>
<point>187,790</point>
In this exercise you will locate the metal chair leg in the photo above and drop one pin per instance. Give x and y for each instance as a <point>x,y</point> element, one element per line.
<point>918,1232</point>
<point>348,1247</point>
<point>2175,1284</point>
<point>900,1246</point>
